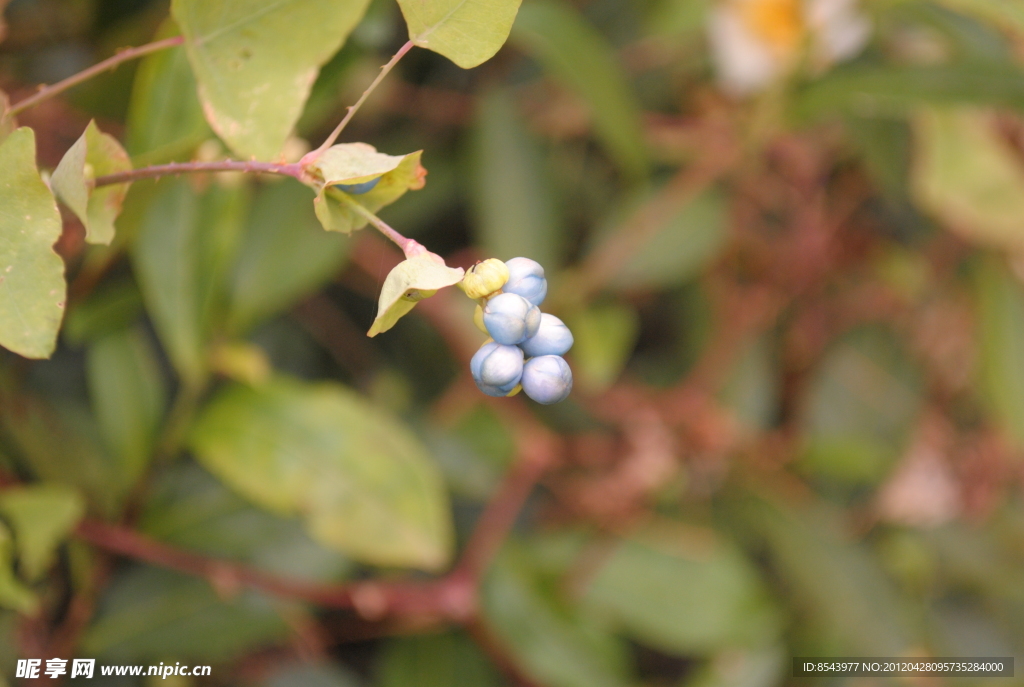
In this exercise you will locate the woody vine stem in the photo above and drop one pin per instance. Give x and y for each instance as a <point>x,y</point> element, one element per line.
<point>294,170</point>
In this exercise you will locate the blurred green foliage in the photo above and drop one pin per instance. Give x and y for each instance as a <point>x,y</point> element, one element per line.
<point>790,254</point>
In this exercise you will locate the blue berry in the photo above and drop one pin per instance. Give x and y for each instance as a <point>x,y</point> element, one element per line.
<point>547,379</point>
<point>356,189</point>
<point>526,279</point>
<point>511,319</point>
<point>496,365</point>
<point>552,338</point>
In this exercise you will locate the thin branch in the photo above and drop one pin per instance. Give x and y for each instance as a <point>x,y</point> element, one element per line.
<point>372,600</point>
<point>98,68</point>
<point>536,454</point>
<point>252,167</point>
<point>355,108</point>
<point>379,224</point>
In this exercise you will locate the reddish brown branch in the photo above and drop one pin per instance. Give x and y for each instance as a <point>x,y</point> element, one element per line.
<point>372,600</point>
<point>98,68</point>
<point>449,598</point>
<point>251,167</point>
<point>536,454</point>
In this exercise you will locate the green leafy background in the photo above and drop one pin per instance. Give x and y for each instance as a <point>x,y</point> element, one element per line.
<point>798,317</point>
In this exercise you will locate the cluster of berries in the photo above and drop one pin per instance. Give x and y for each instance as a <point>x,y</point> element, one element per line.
<point>526,346</point>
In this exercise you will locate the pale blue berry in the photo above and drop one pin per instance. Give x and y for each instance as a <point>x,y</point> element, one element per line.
<point>357,189</point>
<point>511,319</point>
<point>547,379</point>
<point>526,278</point>
<point>552,338</point>
<point>496,365</point>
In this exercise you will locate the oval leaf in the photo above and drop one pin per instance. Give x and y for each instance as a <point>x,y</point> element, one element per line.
<point>360,480</point>
<point>575,53</point>
<point>31,274</point>
<point>410,282</point>
<point>42,517</point>
<point>684,599</point>
<point>467,32</point>
<point>256,61</point>
<point>354,163</point>
<point>968,178</point>
<point>93,155</point>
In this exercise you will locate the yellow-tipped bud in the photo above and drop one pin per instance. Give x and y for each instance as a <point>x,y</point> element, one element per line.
<point>484,278</point>
<point>516,390</point>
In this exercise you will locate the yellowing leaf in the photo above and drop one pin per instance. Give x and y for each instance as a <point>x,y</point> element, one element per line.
<point>31,273</point>
<point>359,479</point>
<point>467,32</point>
<point>968,178</point>
<point>256,61</point>
<point>410,282</point>
<point>355,163</point>
<point>42,517</point>
<point>94,154</point>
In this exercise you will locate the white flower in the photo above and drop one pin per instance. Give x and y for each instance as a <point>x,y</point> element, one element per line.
<point>754,42</point>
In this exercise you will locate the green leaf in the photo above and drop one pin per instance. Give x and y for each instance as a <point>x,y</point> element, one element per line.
<point>673,17</point>
<point>885,148</point>
<point>182,258</point>
<point>605,336</point>
<point>575,53</point>
<point>32,289</point>
<point>13,594</point>
<point>407,284</point>
<point>872,91</point>
<point>553,642</point>
<point>966,176</point>
<point>150,615</point>
<point>93,155</point>
<point>283,256</point>
<point>45,435</point>
<point>753,388</point>
<point>112,307</point>
<point>355,163</point>
<point>436,660</point>
<point>1004,13</point>
<point>513,200</point>
<point>360,480</point>
<point>256,61</point>
<point>128,395</point>
<point>42,517</point>
<point>188,507</point>
<point>165,119</point>
<point>684,591</point>
<point>467,32</point>
<point>849,604</point>
<point>760,667</point>
<point>1000,331</point>
<point>860,408</point>
<point>681,249</point>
